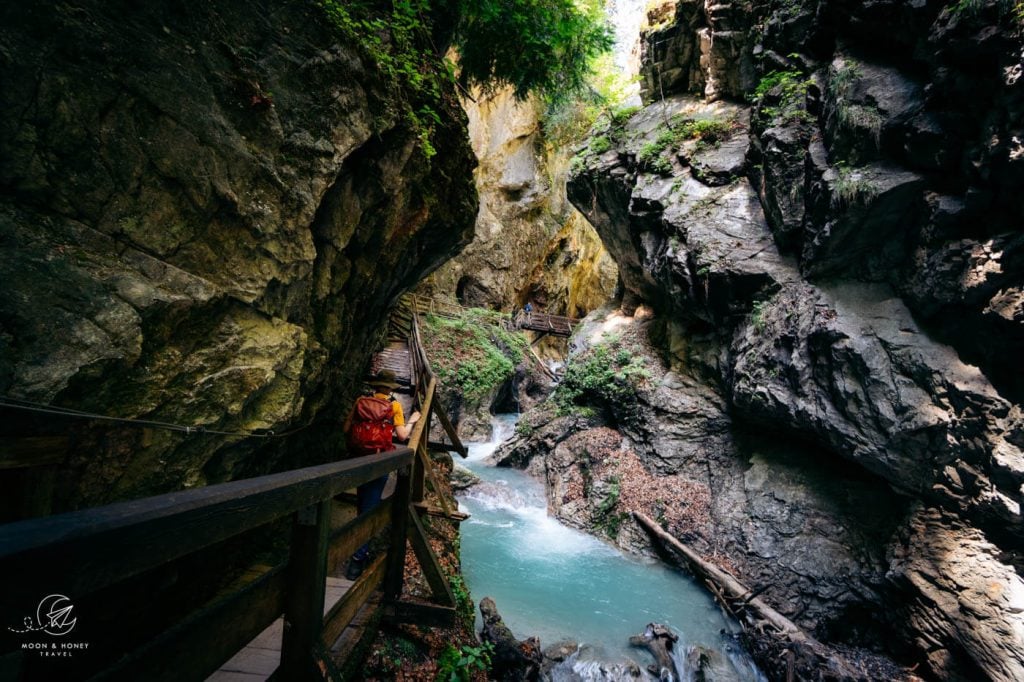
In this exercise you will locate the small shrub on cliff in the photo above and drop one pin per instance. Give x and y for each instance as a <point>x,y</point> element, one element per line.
<point>757,315</point>
<point>782,94</point>
<point>851,187</point>
<point>472,353</point>
<point>607,375</point>
<point>600,144</point>
<point>672,135</point>
<point>621,115</point>
<point>852,116</point>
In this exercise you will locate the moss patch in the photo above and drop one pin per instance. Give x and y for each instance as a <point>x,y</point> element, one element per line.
<point>606,375</point>
<point>472,353</point>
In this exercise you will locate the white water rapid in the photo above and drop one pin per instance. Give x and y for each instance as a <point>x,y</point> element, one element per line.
<point>557,583</point>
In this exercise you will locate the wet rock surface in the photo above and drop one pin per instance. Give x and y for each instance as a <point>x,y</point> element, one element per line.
<point>529,242</point>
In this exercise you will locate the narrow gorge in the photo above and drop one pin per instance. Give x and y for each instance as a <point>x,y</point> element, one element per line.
<point>811,375</point>
<point>778,248</point>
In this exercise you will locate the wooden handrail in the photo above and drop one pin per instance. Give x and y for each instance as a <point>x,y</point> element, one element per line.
<point>94,554</point>
<point>418,429</point>
<point>89,549</point>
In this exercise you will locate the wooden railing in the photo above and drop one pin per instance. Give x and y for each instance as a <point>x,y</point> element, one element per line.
<point>423,305</point>
<point>558,325</point>
<point>431,408</point>
<point>103,559</point>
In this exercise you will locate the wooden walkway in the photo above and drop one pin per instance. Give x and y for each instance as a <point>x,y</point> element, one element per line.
<point>555,325</point>
<point>111,554</point>
<point>262,656</point>
<point>397,358</point>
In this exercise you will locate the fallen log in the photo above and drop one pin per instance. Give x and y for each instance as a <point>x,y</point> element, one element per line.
<point>660,641</point>
<point>782,650</point>
<point>541,365</point>
<point>729,586</point>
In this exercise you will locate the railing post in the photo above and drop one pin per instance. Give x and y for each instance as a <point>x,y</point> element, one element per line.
<point>418,477</point>
<point>395,573</point>
<point>304,600</point>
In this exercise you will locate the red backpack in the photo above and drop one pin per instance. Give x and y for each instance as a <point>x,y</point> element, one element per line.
<point>372,425</point>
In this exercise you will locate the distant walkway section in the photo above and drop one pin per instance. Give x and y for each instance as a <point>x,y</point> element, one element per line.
<point>555,325</point>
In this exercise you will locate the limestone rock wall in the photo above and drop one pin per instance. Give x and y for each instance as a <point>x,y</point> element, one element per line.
<point>206,212</point>
<point>529,242</point>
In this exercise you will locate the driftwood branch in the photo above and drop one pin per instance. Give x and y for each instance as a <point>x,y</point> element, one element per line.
<point>728,587</point>
<point>783,650</point>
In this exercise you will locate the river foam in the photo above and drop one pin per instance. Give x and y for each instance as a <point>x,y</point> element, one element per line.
<point>557,583</point>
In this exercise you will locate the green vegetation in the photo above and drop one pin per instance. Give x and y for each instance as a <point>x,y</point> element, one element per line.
<point>851,187</point>
<point>567,119</point>
<point>393,39</point>
<point>458,665</point>
<point>600,144</point>
<point>463,602</point>
<point>786,91</point>
<point>659,165</point>
<point>472,353</point>
<point>535,46</point>
<point>673,134</point>
<point>852,116</point>
<point>1014,9</point>
<point>541,46</point>
<point>524,428</point>
<point>606,374</point>
<point>757,315</point>
<point>620,115</point>
<point>606,518</point>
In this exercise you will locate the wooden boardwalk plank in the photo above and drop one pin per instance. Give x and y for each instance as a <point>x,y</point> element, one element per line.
<point>260,657</point>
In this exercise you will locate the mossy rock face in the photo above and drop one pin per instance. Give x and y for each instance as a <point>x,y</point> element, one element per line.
<point>213,237</point>
<point>473,356</point>
<point>807,275</point>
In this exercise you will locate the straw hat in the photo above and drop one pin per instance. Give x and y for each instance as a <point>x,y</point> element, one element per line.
<point>385,379</point>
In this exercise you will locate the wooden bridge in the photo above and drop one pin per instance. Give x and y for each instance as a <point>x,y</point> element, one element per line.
<point>130,570</point>
<point>544,324</point>
<point>555,325</point>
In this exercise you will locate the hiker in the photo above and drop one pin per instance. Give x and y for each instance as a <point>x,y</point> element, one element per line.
<point>375,421</point>
<point>528,309</point>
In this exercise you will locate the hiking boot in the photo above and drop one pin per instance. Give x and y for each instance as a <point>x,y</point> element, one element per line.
<point>355,568</point>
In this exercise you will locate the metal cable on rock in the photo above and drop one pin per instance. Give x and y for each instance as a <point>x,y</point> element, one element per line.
<point>29,406</point>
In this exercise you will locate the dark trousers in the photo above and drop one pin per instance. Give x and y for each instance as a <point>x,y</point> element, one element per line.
<point>368,495</point>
